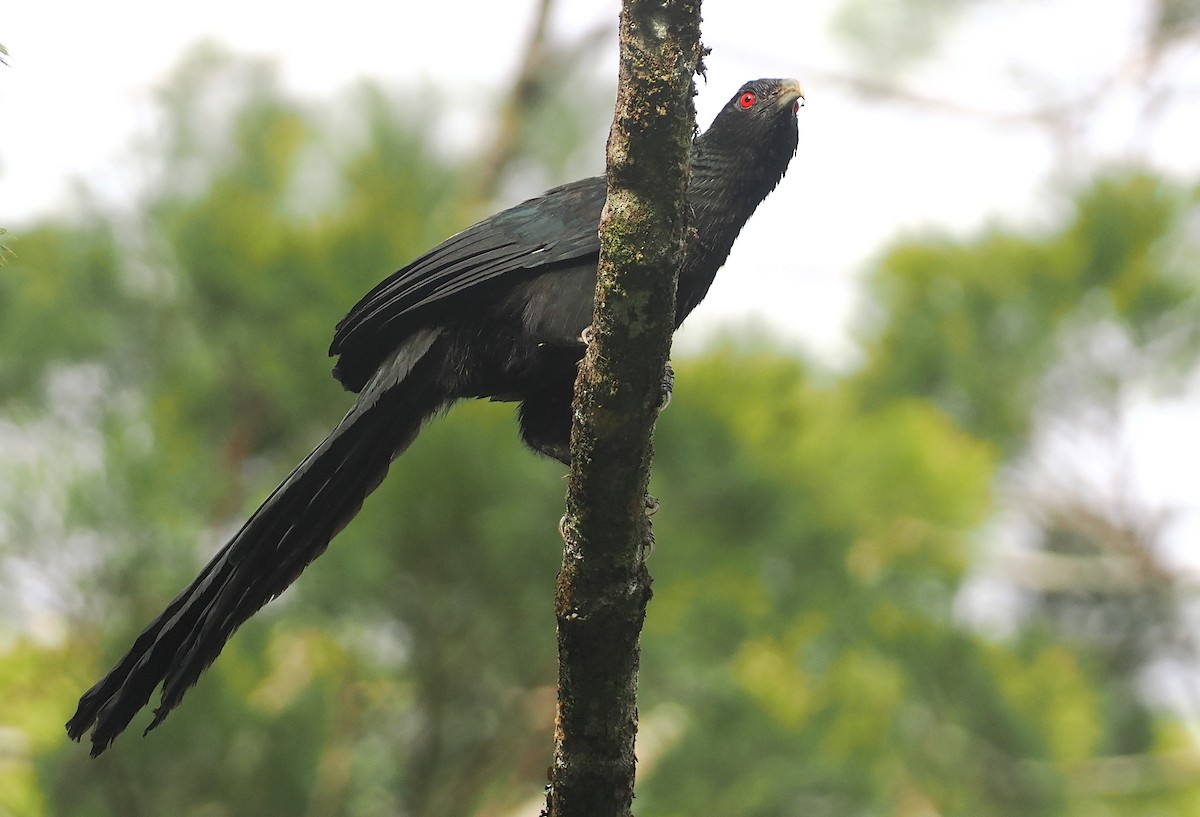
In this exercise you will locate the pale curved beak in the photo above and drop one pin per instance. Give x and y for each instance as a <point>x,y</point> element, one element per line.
<point>792,91</point>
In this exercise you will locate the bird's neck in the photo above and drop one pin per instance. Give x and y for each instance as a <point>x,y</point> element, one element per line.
<point>726,187</point>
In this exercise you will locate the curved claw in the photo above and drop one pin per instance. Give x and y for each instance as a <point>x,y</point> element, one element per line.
<point>651,505</point>
<point>648,542</point>
<point>668,386</point>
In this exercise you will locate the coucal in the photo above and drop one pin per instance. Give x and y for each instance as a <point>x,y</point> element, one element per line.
<point>496,311</point>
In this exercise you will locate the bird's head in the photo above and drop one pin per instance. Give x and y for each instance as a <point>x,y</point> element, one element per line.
<point>767,98</point>
<point>755,134</point>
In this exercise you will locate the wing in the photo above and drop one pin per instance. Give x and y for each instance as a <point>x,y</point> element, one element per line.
<point>556,228</point>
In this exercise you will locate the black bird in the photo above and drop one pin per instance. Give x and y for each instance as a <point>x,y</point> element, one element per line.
<point>496,311</point>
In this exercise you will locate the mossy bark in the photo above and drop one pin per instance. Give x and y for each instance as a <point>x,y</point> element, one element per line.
<point>604,587</point>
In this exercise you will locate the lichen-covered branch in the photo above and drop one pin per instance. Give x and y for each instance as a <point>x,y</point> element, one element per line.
<point>604,586</point>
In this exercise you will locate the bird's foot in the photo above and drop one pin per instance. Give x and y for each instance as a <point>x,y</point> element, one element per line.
<point>668,386</point>
<point>648,541</point>
<point>651,505</point>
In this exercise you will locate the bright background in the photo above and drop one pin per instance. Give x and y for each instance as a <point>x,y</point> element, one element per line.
<point>927,122</point>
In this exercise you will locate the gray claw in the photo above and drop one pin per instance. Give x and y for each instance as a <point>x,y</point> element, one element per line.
<point>652,505</point>
<point>668,386</point>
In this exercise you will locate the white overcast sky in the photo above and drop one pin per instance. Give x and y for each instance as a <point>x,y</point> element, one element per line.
<point>81,78</point>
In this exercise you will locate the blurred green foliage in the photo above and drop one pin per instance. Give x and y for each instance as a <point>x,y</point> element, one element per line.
<point>976,327</point>
<point>162,369</point>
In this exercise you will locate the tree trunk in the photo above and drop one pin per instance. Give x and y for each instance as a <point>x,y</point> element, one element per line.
<point>604,586</point>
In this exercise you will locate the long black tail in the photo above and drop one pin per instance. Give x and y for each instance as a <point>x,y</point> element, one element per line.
<point>291,529</point>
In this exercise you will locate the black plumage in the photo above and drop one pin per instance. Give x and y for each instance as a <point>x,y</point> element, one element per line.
<point>495,311</point>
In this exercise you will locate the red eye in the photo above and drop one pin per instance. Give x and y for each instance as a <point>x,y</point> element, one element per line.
<point>747,100</point>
